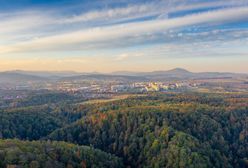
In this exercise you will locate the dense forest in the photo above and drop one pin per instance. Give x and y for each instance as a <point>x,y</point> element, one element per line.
<point>151,130</point>
<point>53,154</point>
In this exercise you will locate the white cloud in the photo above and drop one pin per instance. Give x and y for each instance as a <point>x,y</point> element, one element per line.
<point>38,19</point>
<point>19,21</point>
<point>103,36</point>
<point>159,8</point>
<point>125,56</point>
<point>122,13</point>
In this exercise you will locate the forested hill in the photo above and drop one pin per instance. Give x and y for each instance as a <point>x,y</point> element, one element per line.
<point>180,130</point>
<point>15,153</point>
<point>155,130</point>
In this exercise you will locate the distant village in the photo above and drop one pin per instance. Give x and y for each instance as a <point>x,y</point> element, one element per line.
<point>107,86</point>
<point>101,87</point>
<point>93,89</point>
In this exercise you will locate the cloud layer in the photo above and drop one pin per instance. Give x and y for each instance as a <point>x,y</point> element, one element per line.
<point>117,29</point>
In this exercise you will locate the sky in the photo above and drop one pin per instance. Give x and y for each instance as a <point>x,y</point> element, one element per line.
<point>124,35</point>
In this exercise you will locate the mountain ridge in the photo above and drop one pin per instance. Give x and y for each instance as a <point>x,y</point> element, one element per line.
<point>19,76</point>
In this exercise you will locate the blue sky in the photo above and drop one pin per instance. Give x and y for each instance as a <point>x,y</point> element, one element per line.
<point>110,35</point>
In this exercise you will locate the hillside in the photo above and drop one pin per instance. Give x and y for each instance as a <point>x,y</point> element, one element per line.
<point>179,73</point>
<point>17,153</point>
<point>153,130</point>
<point>48,74</point>
<point>18,78</point>
<point>167,130</point>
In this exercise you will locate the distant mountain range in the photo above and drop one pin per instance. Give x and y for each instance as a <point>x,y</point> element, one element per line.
<point>106,77</point>
<point>174,74</point>
<point>14,77</point>
<point>179,73</point>
<point>47,74</point>
<point>173,71</point>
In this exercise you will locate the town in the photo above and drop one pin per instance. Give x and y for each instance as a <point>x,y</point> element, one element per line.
<point>104,87</point>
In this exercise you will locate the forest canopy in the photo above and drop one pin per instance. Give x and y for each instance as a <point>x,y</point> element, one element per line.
<point>154,130</point>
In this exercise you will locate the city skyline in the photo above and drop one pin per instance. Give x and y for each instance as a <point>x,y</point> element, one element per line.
<point>107,36</point>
